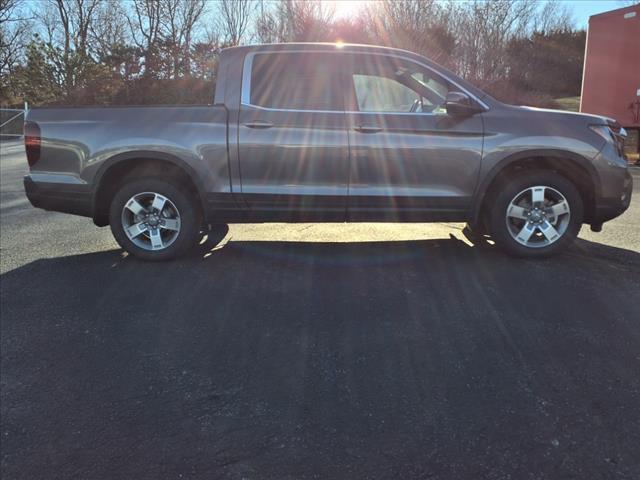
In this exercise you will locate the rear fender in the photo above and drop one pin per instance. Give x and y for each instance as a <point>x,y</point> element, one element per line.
<point>141,155</point>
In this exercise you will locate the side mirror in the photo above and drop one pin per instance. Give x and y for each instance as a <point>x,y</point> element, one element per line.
<point>458,103</point>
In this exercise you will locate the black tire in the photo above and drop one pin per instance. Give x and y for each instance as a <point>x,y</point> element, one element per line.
<point>511,187</point>
<point>187,205</point>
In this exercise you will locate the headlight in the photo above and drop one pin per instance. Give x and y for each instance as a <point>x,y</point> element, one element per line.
<point>612,133</point>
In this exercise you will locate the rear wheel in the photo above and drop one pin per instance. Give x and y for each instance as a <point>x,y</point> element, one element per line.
<point>536,214</point>
<point>154,219</point>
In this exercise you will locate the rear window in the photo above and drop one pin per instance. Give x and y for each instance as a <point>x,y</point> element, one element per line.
<point>294,81</point>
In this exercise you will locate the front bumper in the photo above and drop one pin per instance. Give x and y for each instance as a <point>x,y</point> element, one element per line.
<point>76,199</point>
<point>612,207</point>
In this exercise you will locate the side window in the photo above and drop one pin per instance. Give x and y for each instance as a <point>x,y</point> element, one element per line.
<point>294,81</point>
<point>382,94</point>
<point>387,84</point>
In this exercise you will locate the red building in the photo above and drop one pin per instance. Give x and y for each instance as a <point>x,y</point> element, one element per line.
<point>611,79</point>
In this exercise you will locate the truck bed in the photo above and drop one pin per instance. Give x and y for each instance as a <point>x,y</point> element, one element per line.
<point>78,142</point>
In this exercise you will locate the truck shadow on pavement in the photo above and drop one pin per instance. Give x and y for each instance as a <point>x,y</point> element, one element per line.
<point>341,360</point>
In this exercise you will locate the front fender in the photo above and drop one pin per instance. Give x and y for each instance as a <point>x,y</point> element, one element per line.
<point>552,155</point>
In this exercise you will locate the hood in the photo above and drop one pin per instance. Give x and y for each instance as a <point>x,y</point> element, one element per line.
<point>568,116</point>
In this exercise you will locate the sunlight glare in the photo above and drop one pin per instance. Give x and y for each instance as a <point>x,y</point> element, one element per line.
<point>345,9</point>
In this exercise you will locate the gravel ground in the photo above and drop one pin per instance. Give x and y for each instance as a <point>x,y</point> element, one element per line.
<point>315,351</point>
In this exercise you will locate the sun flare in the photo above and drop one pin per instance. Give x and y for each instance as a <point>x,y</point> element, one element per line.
<point>346,8</point>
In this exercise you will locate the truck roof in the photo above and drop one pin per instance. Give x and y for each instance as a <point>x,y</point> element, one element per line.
<point>321,46</point>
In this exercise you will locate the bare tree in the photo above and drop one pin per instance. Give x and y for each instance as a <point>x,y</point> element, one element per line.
<point>234,19</point>
<point>483,30</point>
<point>75,18</point>
<point>67,24</point>
<point>110,27</point>
<point>308,20</point>
<point>271,26</point>
<point>81,19</point>
<point>145,24</point>
<point>182,16</point>
<point>128,48</point>
<point>418,25</point>
<point>296,21</point>
<point>14,33</point>
<point>552,17</point>
<point>408,14</point>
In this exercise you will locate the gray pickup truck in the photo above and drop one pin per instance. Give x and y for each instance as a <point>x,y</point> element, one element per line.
<point>329,133</point>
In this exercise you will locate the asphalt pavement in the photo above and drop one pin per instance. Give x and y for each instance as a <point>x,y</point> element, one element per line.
<point>315,351</point>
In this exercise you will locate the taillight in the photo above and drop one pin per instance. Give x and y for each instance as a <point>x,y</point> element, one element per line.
<point>32,142</point>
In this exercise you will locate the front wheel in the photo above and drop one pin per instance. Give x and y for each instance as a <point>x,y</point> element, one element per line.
<point>536,214</point>
<point>154,219</point>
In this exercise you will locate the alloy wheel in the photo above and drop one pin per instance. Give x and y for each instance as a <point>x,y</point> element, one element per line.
<point>151,221</point>
<point>538,216</point>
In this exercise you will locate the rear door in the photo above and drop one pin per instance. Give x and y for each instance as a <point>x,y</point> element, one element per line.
<point>293,143</point>
<point>410,160</point>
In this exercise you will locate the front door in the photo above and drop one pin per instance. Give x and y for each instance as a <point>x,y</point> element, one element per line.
<point>410,160</point>
<point>293,142</point>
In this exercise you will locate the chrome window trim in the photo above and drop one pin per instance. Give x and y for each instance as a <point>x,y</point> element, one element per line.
<point>245,88</point>
<point>269,109</point>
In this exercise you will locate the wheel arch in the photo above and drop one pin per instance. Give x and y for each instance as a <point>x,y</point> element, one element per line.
<point>573,166</point>
<point>130,164</point>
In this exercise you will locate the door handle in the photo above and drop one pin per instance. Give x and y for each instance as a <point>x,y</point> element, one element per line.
<point>367,129</point>
<point>258,124</point>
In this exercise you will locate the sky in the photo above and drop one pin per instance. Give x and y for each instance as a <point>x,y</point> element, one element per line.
<point>582,9</point>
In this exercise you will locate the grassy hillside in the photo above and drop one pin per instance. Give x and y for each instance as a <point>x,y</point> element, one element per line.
<point>569,103</point>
